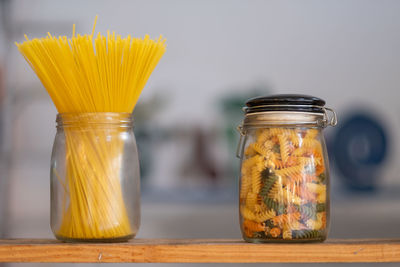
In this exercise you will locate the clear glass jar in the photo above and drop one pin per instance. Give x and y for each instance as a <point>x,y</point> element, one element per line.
<point>284,181</point>
<point>95,178</point>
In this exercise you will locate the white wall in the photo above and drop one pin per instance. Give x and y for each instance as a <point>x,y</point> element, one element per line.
<point>342,51</point>
<point>346,52</point>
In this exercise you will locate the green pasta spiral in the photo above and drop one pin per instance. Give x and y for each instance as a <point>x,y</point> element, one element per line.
<point>308,211</point>
<point>321,207</point>
<point>274,205</point>
<point>307,234</point>
<point>268,185</point>
<point>322,178</point>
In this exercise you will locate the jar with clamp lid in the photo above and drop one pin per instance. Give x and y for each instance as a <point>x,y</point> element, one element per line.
<point>284,172</point>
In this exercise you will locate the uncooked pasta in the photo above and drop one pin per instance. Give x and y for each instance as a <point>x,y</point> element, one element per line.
<point>93,74</point>
<point>283,192</point>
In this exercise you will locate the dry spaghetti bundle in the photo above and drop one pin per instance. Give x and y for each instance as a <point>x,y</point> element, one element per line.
<point>88,74</point>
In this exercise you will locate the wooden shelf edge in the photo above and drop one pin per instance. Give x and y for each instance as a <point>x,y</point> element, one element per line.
<point>199,250</point>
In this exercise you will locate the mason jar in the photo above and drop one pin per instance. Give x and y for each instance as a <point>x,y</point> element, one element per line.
<point>284,169</point>
<point>95,178</point>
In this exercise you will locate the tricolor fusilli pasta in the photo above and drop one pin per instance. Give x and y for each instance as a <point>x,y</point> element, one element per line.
<point>283,185</point>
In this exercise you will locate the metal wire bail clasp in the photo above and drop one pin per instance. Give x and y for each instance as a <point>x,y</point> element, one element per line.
<point>332,120</point>
<point>240,144</point>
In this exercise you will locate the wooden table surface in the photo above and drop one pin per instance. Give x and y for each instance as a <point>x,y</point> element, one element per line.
<point>199,250</point>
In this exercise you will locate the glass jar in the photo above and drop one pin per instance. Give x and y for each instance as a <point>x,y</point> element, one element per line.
<point>95,178</point>
<point>284,181</point>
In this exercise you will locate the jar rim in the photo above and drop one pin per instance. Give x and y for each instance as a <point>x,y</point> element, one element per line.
<point>284,119</point>
<point>94,118</point>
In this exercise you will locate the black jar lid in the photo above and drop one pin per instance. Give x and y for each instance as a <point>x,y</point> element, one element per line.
<point>285,102</point>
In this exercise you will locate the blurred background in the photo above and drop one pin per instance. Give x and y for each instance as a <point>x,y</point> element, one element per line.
<point>219,53</point>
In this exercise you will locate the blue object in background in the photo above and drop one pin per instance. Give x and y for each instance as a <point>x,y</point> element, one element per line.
<point>359,148</point>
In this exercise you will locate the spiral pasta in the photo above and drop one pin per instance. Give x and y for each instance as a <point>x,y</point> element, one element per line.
<point>264,215</point>
<point>251,200</point>
<point>284,147</point>
<point>256,178</point>
<point>251,226</point>
<point>284,186</point>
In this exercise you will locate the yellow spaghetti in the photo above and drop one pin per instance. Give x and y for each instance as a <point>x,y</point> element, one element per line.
<point>88,74</point>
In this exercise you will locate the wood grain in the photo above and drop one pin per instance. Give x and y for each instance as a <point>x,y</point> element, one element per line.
<point>199,250</point>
